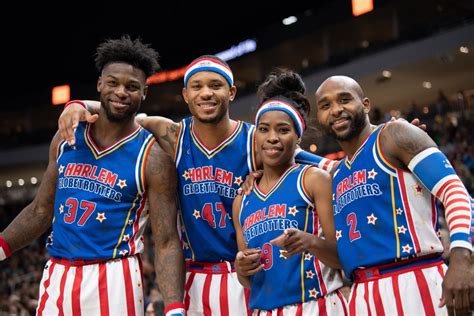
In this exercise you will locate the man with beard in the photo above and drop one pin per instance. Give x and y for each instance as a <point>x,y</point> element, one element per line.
<point>99,195</point>
<point>385,212</point>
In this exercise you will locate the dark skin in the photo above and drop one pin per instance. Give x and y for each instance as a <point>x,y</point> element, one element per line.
<point>122,87</point>
<point>161,185</point>
<point>276,133</point>
<point>340,103</point>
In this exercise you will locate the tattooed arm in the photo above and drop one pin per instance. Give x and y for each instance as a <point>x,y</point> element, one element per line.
<point>161,185</point>
<point>37,217</point>
<point>401,141</point>
<point>164,130</point>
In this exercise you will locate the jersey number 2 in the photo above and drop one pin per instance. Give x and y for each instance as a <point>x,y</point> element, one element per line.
<point>354,234</point>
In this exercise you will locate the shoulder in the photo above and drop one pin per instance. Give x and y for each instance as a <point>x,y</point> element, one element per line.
<point>400,141</point>
<point>313,173</point>
<point>158,161</point>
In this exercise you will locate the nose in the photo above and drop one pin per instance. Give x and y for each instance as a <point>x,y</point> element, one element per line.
<point>336,109</point>
<point>121,91</point>
<point>206,92</point>
<point>272,137</point>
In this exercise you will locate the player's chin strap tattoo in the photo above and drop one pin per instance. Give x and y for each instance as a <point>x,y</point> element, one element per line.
<point>175,309</point>
<point>4,249</point>
<point>448,188</point>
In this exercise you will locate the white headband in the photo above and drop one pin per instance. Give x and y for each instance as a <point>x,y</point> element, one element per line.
<point>209,64</point>
<point>278,105</point>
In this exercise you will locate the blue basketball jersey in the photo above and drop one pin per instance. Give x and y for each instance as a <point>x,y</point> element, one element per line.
<point>208,180</point>
<point>100,210</point>
<point>382,213</point>
<point>263,217</point>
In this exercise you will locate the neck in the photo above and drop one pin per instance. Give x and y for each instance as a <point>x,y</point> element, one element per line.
<point>351,146</point>
<point>212,134</point>
<point>271,174</point>
<point>106,133</point>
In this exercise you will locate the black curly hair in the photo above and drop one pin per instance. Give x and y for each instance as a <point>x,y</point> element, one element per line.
<point>129,51</point>
<point>287,84</point>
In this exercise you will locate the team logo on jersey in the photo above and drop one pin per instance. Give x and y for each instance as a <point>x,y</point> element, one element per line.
<point>354,187</point>
<point>207,179</point>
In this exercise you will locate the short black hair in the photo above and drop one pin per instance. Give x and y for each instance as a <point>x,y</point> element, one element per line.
<point>129,51</point>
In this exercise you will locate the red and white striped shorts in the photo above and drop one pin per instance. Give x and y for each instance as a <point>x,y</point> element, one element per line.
<point>113,287</point>
<point>413,290</point>
<point>213,289</point>
<point>333,304</point>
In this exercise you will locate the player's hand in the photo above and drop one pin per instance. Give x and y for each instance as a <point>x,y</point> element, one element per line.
<point>70,118</point>
<point>247,186</point>
<point>458,284</point>
<point>415,121</point>
<point>294,241</point>
<point>247,262</point>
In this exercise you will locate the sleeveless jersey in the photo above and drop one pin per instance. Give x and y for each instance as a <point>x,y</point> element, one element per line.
<point>382,214</point>
<point>100,210</point>
<point>263,217</point>
<point>208,180</point>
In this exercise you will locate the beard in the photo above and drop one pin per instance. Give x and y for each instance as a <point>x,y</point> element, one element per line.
<point>357,124</point>
<point>119,117</point>
<point>218,117</point>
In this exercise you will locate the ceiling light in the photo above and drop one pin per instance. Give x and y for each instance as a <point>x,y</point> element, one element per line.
<point>33,180</point>
<point>426,84</point>
<point>289,20</point>
<point>9,184</point>
<point>313,148</point>
<point>386,74</point>
<point>464,50</point>
<point>21,182</point>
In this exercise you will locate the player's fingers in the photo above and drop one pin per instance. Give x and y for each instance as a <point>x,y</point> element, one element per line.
<point>280,241</point>
<point>461,302</point>
<point>254,271</point>
<point>92,118</point>
<point>295,251</point>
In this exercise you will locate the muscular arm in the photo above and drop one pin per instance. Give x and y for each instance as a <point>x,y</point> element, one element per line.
<point>165,131</point>
<point>408,148</point>
<point>37,217</point>
<point>161,185</point>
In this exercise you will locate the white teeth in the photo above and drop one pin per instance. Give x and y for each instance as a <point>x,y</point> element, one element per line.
<point>206,105</point>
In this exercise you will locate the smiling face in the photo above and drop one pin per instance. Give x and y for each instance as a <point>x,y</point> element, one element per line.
<point>276,139</point>
<point>208,96</point>
<point>122,89</point>
<point>341,108</point>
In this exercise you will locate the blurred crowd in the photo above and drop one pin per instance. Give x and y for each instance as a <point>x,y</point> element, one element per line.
<point>449,122</point>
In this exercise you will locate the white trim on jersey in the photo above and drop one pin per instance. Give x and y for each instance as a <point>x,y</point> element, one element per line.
<point>250,150</point>
<point>380,164</point>
<point>138,164</point>
<point>299,186</point>
<point>180,144</point>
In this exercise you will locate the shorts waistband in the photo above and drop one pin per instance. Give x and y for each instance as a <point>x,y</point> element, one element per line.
<point>384,270</point>
<point>210,267</point>
<point>82,262</point>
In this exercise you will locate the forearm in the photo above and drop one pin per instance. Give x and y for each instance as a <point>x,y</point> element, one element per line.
<point>26,227</point>
<point>170,273</point>
<point>325,251</point>
<point>92,106</point>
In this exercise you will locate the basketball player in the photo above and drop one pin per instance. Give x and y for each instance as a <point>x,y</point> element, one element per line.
<point>97,193</point>
<point>385,215</point>
<point>213,155</point>
<point>278,225</point>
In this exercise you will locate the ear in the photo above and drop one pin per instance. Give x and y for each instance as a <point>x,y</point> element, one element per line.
<point>233,93</point>
<point>145,91</point>
<point>185,95</point>
<point>99,83</point>
<point>366,104</point>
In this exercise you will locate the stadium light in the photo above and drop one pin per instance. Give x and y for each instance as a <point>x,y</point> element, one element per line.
<point>360,7</point>
<point>61,94</point>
